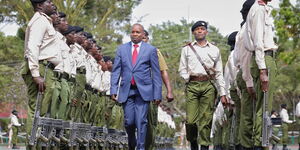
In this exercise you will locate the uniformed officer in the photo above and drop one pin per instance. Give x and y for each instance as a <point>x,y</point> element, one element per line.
<point>258,39</point>
<point>152,114</point>
<point>40,57</point>
<point>14,121</point>
<point>233,92</point>
<point>285,121</point>
<point>200,91</point>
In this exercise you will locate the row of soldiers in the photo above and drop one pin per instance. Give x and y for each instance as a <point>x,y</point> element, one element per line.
<point>68,79</point>
<point>65,65</point>
<point>249,80</point>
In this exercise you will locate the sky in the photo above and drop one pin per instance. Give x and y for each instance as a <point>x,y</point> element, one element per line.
<point>223,14</point>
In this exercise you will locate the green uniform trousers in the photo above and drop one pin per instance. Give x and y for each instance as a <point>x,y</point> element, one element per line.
<point>14,138</point>
<point>151,126</point>
<point>33,91</point>
<point>285,136</point>
<point>217,140</point>
<point>200,97</point>
<point>271,65</point>
<point>226,129</point>
<point>246,115</point>
<point>70,107</point>
<point>108,110</point>
<point>237,104</point>
<point>79,95</point>
<point>60,99</point>
<point>275,132</point>
<point>117,117</point>
<point>100,111</point>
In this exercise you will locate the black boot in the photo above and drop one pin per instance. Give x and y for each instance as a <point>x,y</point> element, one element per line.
<point>258,148</point>
<point>204,147</point>
<point>284,147</point>
<point>15,147</point>
<point>194,145</point>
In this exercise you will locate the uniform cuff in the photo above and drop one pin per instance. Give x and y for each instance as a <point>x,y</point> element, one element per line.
<point>249,83</point>
<point>35,73</point>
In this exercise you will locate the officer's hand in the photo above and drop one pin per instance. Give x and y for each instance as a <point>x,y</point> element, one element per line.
<point>224,101</point>
<point>114,97</point>
<point>264,81</point>
<point>251,92</point>
<point>74,102</point>
<point>157,102</point>
<point>170,97</point>
<point>22,124</point>
<point>40,83</point>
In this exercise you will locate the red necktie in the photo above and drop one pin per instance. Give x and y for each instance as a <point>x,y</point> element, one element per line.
<point>134,57</point>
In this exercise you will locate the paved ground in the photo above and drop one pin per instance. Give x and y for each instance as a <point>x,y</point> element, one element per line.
<point>293,147</point>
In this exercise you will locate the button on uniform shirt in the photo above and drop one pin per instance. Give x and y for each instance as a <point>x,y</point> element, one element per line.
<point>64,65</point>
<point>40,42</point>
<point>259,32</point>
<point>210,55</point>
<point>79,54</point>
<point>91,69</point>
<point>285,116</point>
<point>106,82</point>
<point>230,73</point>
<point>97,82</point>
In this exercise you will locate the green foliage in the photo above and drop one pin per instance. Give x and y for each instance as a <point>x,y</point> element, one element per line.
<point>11,48</point>
<point>105,19</point>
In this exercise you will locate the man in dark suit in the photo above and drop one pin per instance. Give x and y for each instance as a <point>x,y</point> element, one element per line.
<point>136,66</point>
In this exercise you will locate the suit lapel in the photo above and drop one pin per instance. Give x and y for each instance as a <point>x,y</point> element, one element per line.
<point>140,54</point>
<point>129,55</point>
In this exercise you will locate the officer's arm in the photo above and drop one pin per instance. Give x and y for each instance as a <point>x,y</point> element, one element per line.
<point>35,39</point>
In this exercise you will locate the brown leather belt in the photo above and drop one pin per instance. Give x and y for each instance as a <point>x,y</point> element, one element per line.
<point>267,53</point>
<point>200,78</point>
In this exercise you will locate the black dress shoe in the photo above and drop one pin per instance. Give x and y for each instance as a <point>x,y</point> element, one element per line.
<point>204,147</point>
<point>194,145</point>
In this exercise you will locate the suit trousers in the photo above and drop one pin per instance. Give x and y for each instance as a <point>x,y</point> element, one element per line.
<point>135,117</point>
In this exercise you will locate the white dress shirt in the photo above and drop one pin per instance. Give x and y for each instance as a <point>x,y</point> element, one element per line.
<point>14,121</point>
<point>211,57</point>
<point>298,109</point>
<point>138,48</point>
<point>285,116</point>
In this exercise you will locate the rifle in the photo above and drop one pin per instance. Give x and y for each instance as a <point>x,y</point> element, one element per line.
<point>232,130</point>
<point>98,134</point>
<point>36,119</point>
<point>267,124</point>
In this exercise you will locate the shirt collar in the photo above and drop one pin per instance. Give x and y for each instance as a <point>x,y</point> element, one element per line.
<point>137,44</point>
<point>207,44</point>
<point>48,18</point>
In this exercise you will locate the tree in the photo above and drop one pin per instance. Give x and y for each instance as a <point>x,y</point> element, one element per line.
<point>105,19</point>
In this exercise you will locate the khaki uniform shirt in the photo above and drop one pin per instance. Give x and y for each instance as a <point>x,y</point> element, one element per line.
<point>210,55</point>
<point>243,57</point>
<point>40,42</point>
<point>230,72</point>
<point>79,54</point>
<point>97,82</point>
<point>91,69</point>
<point>106,82</point>
<point>259,32</point>
<point>162,63</point>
